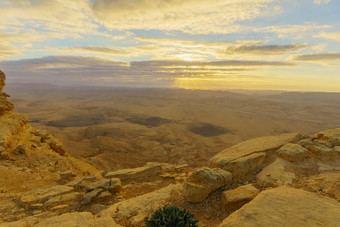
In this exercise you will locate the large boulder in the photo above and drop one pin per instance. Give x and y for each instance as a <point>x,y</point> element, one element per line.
<point>320,149</point>
<point>132,212</point>
<point>292,152</point>
<point>247,165</point>
<point>276,174</point>
<point>286,206</point>
<point>236,198</point>
<point>331,135</point>
<point>137,174</point>
<point>203,181</point>
<point>258,145</point>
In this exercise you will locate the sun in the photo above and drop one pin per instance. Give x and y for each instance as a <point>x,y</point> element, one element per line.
<point>187,57</point>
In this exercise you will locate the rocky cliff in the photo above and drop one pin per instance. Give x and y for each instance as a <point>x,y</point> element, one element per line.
<point>284,180</point>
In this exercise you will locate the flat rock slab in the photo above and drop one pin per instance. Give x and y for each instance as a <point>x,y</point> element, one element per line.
<point>203,181</point>
<point>276,174</point>
<point>292,152</point>
<point>77,219</point>
<point>234,199</point>
<point>136,174</point>
<point>257,145</point>
<point>286,206</point>
<point>45,193</point>
<point>247,165</point>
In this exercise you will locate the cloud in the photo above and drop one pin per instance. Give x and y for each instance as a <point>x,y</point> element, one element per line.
<point>76,70</point>
<point>329,35</point>
<point>321,2</point>
<point>297,31</point>
<point>318,58</point>
<point>97,49</point>
<point>190,16</point>
<point>265,49</point>
<point>53,15</point>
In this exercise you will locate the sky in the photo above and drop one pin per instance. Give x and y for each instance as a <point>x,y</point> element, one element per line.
<point>194,44</point>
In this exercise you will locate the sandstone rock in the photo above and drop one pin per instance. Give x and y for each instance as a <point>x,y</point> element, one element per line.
<point>337,149</point>
<point>137,174</point>
<point>54,144</point>
<point>323,152</point>
<point>244,166</point>
<point>112,184</point>
<point>14,224</point>
<point>234,199</point>
<point>91,196</point>
<point>41,195</point>
<point>63,208</point>
<point>97,208</point>
<point>134,210</point>
<point>332,135</point>
<point>11,124</point>
<point>3,153</point>
<point>68,198</point>
<point>82,183</point>
<point>335,191</point>
<point>292,152</point>
<point>185,168</point>
<point>203,181</point>
<point>2,80</point>
<point>66,176</point>
<point>275,174</point>
<point>5,105</point>
<point>104,196</point>
<point>257,145</point>
<point>77,219</point>
<point>286,206</point>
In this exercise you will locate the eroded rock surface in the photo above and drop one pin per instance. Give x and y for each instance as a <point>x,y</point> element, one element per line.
<point>234,199</point>
<point>226,158</point>
<point>203,181</point>
<point>286,206</point>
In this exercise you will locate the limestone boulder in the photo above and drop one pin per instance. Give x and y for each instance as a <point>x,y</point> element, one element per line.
<point>332,135</point>
<point>137,174</point>
<point>322,152</point>
<point>236,198</point>
<point>247,165</point>
<point>285,206</point>
<point>112,185</point>
<point>203,181</point>
<point>276,174</point>
<point>91,196</point>
<point>292,152</point>
<point>81,183</point>
<point>258,145</point>
<point>132,212</point>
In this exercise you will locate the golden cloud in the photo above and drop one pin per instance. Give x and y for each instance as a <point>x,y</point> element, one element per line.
<point>190,16</point>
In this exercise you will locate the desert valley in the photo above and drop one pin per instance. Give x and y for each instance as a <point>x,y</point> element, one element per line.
<point>124,153</point>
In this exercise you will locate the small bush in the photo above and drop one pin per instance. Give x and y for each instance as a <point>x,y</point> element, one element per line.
<point>171,217</point>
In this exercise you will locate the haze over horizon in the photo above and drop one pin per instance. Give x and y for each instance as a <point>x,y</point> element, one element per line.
<point>222,44</point>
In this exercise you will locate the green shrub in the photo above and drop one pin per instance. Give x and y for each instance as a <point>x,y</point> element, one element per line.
<point>171,217</point>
